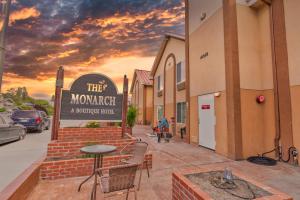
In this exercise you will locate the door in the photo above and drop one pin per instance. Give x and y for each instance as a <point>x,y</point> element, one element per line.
<point>206,104</point>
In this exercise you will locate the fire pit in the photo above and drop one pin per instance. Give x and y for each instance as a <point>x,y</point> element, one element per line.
<point>210,183</point>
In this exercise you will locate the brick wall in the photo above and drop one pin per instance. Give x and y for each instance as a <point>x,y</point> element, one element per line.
<point>89,134</point>
<point>71,149</point>
<point>63,155</point>
<point>183,189</point>
<point>52,170</point>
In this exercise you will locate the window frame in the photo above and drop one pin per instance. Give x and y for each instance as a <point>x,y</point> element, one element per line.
<point>157,111</point>
<point>160,85</point>
<point>182,72</point>
<point>181,117</point>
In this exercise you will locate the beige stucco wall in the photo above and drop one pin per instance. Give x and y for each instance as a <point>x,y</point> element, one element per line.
<point>207,75</point>
<point>177,48</point>
<point>292,13</point>
<point>258,122</point>
<point>256,78</point>
<point>292,16</point>
<point>197,8</point>
<point>209,72</point>
<point>149,104</point>
<point>255,47</point>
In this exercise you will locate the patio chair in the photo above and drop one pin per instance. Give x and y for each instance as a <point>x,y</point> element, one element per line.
<point>139,151</point>
<point>118,178</point>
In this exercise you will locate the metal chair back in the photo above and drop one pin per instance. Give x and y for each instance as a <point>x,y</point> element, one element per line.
<point>121,177</point>
<point>138,153</point>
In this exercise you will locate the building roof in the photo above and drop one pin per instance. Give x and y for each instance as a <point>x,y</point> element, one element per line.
<point>143,76</point>
<point>161,51</point>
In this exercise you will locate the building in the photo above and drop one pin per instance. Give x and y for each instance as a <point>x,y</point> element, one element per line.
<point>243,75</point>
<point>141,96</point>
<point>168,72</point>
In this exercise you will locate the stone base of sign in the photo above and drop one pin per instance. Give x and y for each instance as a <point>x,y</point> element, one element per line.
<point>89,134</point>
<point>51,170</point>
<point>64,159</point>
<point>71,149</point>
<point>183,188</point>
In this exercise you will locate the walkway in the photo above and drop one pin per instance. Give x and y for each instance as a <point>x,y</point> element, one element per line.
<point>168,157</point>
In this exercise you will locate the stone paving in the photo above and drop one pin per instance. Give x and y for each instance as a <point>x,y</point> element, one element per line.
<point>168,157</point>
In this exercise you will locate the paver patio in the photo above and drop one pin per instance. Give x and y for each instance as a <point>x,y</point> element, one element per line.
<point>168,157</point>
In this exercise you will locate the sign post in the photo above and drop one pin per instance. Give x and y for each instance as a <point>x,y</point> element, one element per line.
<point>125,105</point>
<point>57,105</point>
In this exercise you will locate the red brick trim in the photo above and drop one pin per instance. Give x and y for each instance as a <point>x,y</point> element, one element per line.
<point>23,185</point>
<point>51,170</point>
<point>85,134</point>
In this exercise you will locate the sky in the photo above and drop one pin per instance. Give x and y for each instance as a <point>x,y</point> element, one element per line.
<point>112,37</point>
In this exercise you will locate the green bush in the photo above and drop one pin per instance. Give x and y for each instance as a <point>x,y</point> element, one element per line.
<point>131,116</point>
<point>24,107</point>
<point>93,125</point>
<point>2,109</point>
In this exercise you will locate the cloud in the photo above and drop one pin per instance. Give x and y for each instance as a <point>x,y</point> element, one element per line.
<point>84,36</point>
<point>23,14</point>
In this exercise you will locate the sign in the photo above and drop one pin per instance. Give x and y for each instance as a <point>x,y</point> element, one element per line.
<point>205,107</point>
<point>92,97</point>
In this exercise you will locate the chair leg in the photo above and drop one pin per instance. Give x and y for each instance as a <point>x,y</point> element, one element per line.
<point>141,171</point>
<point>127,194</point>
<point>147,169</point>
<point>135,194</point>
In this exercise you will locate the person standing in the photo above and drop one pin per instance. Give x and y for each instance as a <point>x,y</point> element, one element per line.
<point>163,126</point>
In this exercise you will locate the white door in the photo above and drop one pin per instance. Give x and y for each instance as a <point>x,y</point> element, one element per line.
<point>207,121</point>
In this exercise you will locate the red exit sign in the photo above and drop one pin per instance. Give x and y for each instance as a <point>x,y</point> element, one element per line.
<point>205,107</point>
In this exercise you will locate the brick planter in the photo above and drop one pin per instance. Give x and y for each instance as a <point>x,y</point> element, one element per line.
<point>183,188</point>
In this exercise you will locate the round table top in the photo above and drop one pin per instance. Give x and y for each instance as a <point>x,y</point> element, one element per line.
<point>98,149</point>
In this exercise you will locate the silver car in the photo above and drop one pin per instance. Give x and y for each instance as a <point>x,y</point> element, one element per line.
<point>9,131</point>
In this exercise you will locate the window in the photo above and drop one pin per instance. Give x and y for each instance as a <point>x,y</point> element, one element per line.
<point>181,111</point>
<point>160,112</point>
<point>160,85</point>
<point>180,71</point>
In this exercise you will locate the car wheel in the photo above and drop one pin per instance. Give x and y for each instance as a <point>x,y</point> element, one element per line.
<point>40,129</point>
<point>22,135</point>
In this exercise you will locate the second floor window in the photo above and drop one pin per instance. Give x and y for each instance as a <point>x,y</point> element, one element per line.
<point>160,84</point>
<point>180,72</point>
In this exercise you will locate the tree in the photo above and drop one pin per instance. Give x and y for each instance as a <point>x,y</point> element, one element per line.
<point>131,116</point>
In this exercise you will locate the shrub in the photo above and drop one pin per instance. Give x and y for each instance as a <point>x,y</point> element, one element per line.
<point>131,116</point>
<point>24,107</point>
<point>2,109</point>
<point>93,125</point>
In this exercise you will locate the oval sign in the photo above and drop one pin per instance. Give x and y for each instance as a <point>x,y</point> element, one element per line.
<point>92,97</point>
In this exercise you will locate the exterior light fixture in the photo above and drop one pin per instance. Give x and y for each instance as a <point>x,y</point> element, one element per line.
<point>217,94</point>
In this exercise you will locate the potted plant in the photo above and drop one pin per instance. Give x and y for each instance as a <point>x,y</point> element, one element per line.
<point>131,117</point>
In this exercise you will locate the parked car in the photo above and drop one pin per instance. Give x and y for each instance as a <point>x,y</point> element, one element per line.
<point>10,131</point>
<point>33,120</point>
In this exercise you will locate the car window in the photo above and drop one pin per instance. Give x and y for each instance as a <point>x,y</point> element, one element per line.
<point>25,114</point>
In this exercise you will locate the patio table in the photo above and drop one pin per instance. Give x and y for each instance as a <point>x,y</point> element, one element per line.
<point>98,151</point>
